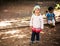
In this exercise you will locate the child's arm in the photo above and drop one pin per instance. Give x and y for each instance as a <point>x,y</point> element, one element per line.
<point>47,18</point>
<point>42,23</point>
<point>54,18</point>
<point>31,22</point>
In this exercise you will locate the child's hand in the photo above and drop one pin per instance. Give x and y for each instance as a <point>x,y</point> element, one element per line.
<point>42,29</point>
<point>31,27</point>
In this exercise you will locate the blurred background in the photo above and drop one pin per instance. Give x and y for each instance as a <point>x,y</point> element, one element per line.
<point>23,8</point>
<point>14,22</point>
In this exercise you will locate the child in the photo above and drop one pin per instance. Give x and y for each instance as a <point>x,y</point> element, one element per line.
<point>36,24</point>
<point>51,16</point>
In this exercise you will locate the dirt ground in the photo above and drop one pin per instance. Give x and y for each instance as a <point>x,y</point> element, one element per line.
<point>21,36</point>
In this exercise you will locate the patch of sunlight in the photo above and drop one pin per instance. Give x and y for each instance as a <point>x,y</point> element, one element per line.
<point>57,13</point>
<point>5,10</point>
<point>25,18</point>
<point>42,32</point>
<point>7,22</point>
<point>12,20</point>
<point>12,32</point>
<point>14,36</point>
<point>21,36</point>
<point>4,23</point>
<point>24,21</point>
<point>44,16</point>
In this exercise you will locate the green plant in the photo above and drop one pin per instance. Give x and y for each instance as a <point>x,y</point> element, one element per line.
<point>57,6</point>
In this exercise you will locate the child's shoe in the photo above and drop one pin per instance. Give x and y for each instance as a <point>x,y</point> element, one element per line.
<point>37,41</point>
<point>32,42</point>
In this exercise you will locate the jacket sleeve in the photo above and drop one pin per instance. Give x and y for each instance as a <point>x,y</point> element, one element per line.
<point>31,21</point>
<point>42,23</point>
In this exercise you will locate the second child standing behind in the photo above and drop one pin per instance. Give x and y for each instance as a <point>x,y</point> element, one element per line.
<point>51,16</point>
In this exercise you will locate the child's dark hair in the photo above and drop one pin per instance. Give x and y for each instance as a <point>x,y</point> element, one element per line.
<point>50,8</point>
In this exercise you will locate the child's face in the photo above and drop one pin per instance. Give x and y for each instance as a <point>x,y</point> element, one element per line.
<point>37,11</point>
<point>51,11</point>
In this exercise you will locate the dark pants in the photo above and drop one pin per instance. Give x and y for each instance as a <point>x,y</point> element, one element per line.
<point>35,35</point>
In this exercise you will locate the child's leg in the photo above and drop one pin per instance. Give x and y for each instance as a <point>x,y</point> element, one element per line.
<point>33,36</point>
<point>49,22</point>
<point>37,36</point>
<point>53,21</point>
